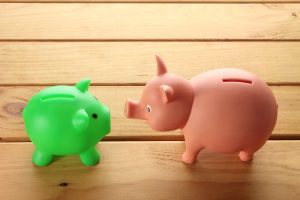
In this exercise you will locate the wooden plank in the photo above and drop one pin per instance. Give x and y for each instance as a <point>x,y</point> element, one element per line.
<point>82,21</point>
<point>133,62</point>
<point>151,1</point>
<point>152,170</point>
<point>13,99</point>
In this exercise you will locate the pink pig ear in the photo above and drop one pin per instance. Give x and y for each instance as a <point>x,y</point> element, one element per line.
<point>167,93</point>
<point>161,67</point>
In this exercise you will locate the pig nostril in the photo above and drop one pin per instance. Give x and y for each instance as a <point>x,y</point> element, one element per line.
<point>95,116</point>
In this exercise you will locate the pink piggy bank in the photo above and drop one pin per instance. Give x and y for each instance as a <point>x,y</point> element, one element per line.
<point>223,110</point>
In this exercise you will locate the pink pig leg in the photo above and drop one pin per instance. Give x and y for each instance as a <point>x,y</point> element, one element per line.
<point>190,156</point>
<point>245,156</point>
<point>191,152</point>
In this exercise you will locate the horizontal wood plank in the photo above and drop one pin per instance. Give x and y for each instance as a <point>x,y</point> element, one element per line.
<point>151,1</point>
<point>13,99</point>
<point>152,170</point>
<point>133,62</point>
<point>82,21</point>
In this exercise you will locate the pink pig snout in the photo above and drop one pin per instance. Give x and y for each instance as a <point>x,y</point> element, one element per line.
<point>134,110</point>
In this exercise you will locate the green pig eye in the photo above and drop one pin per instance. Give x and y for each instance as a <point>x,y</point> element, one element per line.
<point>95,116</point>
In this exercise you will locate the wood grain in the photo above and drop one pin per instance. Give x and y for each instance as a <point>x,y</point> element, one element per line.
<point>150,1</point>
<point>152,170</point>
<point>114,44</point>
<point>84,21</point>
<point>133,62</point>
<point>13,99</point>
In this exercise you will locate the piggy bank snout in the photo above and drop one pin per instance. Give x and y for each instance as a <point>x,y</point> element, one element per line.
<point>106,124</point>
<point>129,108</point>
<point>133,110</point>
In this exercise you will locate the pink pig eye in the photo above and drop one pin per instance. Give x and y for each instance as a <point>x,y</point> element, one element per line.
<point>149,109</point>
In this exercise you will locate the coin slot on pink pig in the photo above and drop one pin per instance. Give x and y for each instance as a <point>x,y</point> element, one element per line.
<point>237,80</point>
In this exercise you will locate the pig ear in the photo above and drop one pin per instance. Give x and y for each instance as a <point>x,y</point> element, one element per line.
<point>167,93</point>
<point>80,120</point>
<point>161,67</point>
<point>83,85</point>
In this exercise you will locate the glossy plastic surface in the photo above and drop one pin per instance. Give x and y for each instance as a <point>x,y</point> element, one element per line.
<point>65,120</point>
<point>223,110</point>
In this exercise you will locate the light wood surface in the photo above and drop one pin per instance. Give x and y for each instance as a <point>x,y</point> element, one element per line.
<point>13,99</point>
<point>152,170</point>
<point>50,42</point>
<point>149,21</point>
<point>151,1</point>
<point>133,62</point>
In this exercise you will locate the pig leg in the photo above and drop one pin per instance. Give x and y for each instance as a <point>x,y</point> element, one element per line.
<point>245,156</point>
<point>90,157</point>
<point>190,156</point>
<point>191,152</point>
<point>40,158</point>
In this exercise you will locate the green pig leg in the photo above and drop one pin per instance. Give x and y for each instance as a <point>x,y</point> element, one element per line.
<point>40,158</point>
<point>90,157</point>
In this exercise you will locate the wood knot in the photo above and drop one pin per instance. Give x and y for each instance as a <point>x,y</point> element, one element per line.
<point>64,184</point>
<point>14,109</point>
<point>294,14</point>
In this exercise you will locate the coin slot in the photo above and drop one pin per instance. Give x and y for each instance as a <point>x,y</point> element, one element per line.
<point>57,96</point>
<point>236,80</point>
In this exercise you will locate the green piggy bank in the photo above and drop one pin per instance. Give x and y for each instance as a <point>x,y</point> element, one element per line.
<point>65,120</point>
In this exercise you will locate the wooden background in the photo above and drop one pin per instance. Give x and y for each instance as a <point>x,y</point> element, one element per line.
<point>49,42</point>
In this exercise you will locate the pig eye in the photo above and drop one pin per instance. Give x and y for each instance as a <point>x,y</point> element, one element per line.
<point>149,109</point>
<point>95,116</point>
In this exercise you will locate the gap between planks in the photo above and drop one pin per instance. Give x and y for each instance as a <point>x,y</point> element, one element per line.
<point>150,138</point>
<point>157,1</point>
<point>153,40</point>
<point>296,84</point>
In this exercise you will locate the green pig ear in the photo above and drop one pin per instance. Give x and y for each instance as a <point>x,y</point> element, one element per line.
<point>80,120</point>
<point>83,85</point>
